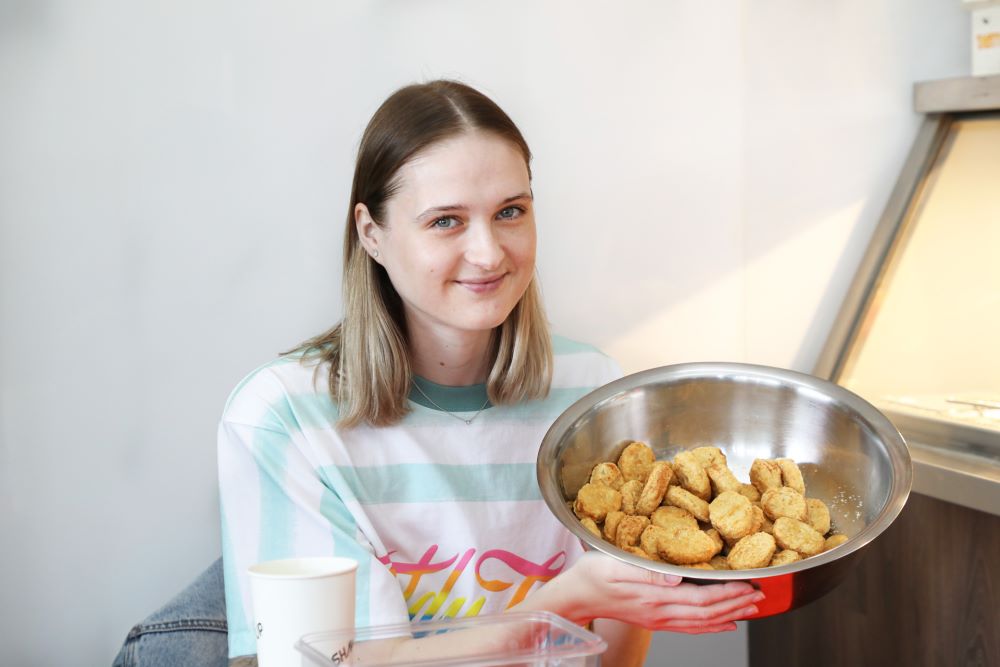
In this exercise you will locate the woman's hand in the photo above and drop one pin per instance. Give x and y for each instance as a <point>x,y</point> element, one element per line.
<point>598,586</point>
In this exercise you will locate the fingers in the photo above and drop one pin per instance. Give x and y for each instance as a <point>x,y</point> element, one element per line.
<point>720,612</point>
<point>700,629</point>
<point>710,594</point>
<point>710,597</point>
<point>660,601</point>
<point>689,606</point>
<point>656,578</point>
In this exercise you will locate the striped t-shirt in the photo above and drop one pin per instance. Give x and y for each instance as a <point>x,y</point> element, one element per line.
<point>445,518</point>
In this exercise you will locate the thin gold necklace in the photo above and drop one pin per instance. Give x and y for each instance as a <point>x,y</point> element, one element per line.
<point>467,421</point>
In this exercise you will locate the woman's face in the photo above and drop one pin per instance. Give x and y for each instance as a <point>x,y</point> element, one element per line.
<point>458,239</point>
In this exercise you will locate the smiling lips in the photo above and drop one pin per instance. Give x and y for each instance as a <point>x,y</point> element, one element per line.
<point>482,285</point>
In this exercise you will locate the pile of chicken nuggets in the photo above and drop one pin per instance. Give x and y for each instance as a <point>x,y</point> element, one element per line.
<point>694,512</point>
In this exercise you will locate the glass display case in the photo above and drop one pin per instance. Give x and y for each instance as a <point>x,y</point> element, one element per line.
<point>919,333</point>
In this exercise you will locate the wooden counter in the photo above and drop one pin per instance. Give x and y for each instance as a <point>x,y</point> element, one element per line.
<point>927,592</point>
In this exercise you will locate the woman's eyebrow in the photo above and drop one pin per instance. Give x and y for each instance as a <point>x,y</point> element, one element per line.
<point>446,208</point>
<point>522,195</point>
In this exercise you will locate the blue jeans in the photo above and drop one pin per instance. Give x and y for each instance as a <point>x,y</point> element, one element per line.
<point>188,631</point>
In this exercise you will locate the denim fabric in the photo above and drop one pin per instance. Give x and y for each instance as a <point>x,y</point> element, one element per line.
<point>188,631</point>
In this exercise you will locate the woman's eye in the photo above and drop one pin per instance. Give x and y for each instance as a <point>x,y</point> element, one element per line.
<point>511,212</point>
<point>445,223</point>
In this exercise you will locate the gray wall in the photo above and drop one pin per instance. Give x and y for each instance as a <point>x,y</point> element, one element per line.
<point>173,181</point>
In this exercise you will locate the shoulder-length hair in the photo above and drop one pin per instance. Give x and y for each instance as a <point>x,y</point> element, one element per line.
<point>369,363</point>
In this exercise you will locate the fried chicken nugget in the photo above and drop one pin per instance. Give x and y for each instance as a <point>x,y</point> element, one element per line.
<point>591,527</point>
<point>669,516</point>
<point>635,461</point>
<point>692,475</point>
<point>717,538</point>
<point>817,515</point>
<point>758,519</point>
<point>730,543</point>
<point>791,476</point>
<point>784,557</point>
<point>702,566</point>
<point>768,525</point>
<point>686,547</point>
<point>797,536</point>
<point>611,524</point>
<point>629,530</point>
<point>722,478</point>
<point>636,551</point>
<point>656,485</point>
<point>680,497</point>
<point>631,490</point>
<point>752,551</point>
<point>765,474</point>
<point>750,491</point>
<point>783,501</point>
<point>650,539</point>
<point>731,514</point>
<point>607,474</point>
<point>595,501</point>
<point>719,563</point>
<point>834,540</point>
<point>708,456</point>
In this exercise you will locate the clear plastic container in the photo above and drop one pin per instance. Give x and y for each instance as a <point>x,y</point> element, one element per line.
<point>535,639</point>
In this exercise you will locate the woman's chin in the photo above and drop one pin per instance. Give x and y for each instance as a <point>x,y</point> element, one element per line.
<point>484,321</point>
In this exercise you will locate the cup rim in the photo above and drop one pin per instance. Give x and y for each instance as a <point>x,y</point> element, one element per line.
<point>314,567</point>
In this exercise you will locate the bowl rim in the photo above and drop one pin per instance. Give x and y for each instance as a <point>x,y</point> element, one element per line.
<point>896,449</point>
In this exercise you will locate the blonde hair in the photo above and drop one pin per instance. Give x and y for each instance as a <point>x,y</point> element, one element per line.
<point>369,363</point>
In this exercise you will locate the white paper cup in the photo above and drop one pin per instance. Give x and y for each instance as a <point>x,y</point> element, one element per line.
<point>296,596</point>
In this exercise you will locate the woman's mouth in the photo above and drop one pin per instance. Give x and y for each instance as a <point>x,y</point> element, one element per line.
<point>482,285</point>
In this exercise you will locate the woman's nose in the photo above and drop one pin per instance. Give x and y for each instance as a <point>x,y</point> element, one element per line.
<point>483,246</point>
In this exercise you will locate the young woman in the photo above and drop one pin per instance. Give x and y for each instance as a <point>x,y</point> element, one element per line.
<point>406,436</point>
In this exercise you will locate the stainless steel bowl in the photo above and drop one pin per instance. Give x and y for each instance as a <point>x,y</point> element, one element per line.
<point>851,456</point>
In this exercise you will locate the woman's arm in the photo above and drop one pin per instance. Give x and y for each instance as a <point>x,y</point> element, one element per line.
<point>625,603</point>
<point>600,587</point>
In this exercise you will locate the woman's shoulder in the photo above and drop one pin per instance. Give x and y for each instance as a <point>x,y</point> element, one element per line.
<point>273,383</point>
<point>578,364</point>
<point>562,345</point>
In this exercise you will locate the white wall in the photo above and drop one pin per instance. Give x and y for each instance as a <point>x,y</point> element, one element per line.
<point>173,179</point>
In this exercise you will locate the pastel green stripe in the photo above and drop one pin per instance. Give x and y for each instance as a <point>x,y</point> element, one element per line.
<point>344,528</point>
<point>295,412</point>
<point>549,408</point>
<point>438,482</point>
<point>301,411</point>
<point>276,508</point>
<point>562,345</point>
<point>429,394</point>
<point>241,639</point>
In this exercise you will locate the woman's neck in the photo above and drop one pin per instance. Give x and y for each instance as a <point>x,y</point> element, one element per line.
<point>453,358</point>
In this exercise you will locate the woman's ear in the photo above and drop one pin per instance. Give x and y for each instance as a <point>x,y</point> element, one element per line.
<point>369,233</point>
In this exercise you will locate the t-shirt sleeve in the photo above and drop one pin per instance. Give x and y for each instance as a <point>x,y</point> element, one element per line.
<point>274,504</point>
<point>581,366</point>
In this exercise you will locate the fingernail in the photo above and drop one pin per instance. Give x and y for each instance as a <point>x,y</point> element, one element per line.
<point>750,611</point>
<point>758,597</point>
